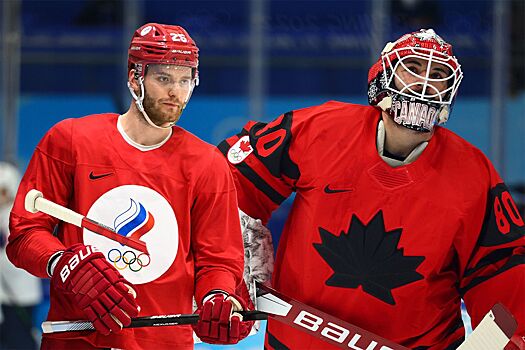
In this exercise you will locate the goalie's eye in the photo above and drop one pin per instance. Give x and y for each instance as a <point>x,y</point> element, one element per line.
<point>413,69</point>
<point>437,75</point>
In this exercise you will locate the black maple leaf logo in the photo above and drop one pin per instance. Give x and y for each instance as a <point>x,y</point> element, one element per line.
<point>367,256</point>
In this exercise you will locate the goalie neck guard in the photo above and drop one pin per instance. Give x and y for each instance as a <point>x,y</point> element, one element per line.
<point>416,102</point>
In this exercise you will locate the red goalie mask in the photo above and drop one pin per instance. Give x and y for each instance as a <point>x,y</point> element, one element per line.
<point>404,82</point>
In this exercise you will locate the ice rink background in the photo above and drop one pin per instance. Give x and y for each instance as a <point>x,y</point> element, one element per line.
<point>72,60</point>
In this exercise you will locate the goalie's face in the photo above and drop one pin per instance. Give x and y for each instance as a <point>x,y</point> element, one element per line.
<point>423,78</point>
<point>167,91</point>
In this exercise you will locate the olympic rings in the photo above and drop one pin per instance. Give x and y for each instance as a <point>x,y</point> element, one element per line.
<point>129,260</point>
<point>116,259</point>
<point>140,261</point>
<point>120,268</point>
<point>132,260</point>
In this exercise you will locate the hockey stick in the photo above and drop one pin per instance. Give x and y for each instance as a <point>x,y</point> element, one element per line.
<point>270,303</point>
<point>493,332</point>
<point>35,202</point>
<point>319,324</point>
<point>146,321</point>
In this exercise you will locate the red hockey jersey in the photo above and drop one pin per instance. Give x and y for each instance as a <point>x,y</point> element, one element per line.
<point>179,199</point>
<point>391,250</point>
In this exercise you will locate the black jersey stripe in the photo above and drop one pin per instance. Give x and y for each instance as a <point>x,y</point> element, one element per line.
<point>251,175</point>
<point>274,342</point>
<point>512,262</point>
<point>260,183</point>
<point>490,259</point>
<point>457,325</point>
<point>224,146</point>
<point>455,344</point>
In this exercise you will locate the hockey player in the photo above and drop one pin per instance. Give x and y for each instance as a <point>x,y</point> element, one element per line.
<point>148,179</point>
<point>395,218</point>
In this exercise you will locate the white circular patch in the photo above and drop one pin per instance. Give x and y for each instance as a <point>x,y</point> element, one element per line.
<point>240,150</point>
<point>142,213</point>
<point>146,30</point>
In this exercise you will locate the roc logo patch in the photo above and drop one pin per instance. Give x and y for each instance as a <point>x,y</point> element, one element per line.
<point>141,213</point>
<point>240,150</point>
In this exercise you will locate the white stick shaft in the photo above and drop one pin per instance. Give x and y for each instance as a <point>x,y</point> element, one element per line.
<point>66,326</point>
<point>36,202</point>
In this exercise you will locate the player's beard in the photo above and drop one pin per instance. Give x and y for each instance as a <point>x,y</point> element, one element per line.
<point>159,117</point>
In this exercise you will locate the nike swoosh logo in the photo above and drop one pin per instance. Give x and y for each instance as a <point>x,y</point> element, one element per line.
<point>95,177</point>
<point>329,190</point>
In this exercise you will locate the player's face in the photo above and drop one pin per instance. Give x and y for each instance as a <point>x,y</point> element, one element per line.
<point>167,90</point>
<point>415,74</point>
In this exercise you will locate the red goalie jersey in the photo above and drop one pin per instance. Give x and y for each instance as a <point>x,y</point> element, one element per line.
<point>391,250</point>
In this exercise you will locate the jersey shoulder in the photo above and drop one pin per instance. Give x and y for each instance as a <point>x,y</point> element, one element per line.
<point>191,143</point>
<point>198,152</point>
<point>336,110</point>
<point>95,123</point>
<point>334,120</point>
<point>459,149</point>
<point>90,124</point>
<point>463,162</point>
<point>60,140</point>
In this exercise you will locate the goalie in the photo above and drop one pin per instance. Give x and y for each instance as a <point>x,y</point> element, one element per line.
<point>396,218</point>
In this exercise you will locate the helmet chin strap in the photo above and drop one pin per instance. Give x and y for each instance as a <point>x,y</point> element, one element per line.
<point>139,102</point>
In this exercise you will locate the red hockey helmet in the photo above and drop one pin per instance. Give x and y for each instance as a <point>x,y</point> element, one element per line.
<point>155,43</point>
<point>415,103</point>
<point>161,44</point>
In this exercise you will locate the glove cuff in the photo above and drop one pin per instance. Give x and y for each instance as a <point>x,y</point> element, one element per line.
<point>237,304</point>
<point>212,293</point>
<point>52,262</point>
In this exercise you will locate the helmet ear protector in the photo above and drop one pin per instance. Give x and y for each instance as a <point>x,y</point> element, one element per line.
<point>415,102</point>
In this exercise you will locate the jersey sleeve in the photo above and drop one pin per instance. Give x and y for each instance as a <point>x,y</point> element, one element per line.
<point>31,241</point>
<point>263,159</point>
<point>494,269</point>
<point>216,231</point>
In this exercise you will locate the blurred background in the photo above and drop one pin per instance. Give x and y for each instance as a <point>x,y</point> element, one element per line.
<point>258,59</point>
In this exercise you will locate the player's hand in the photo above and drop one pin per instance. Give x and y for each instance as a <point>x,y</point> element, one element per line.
<point>95,287</point>
<point>219,321</point>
